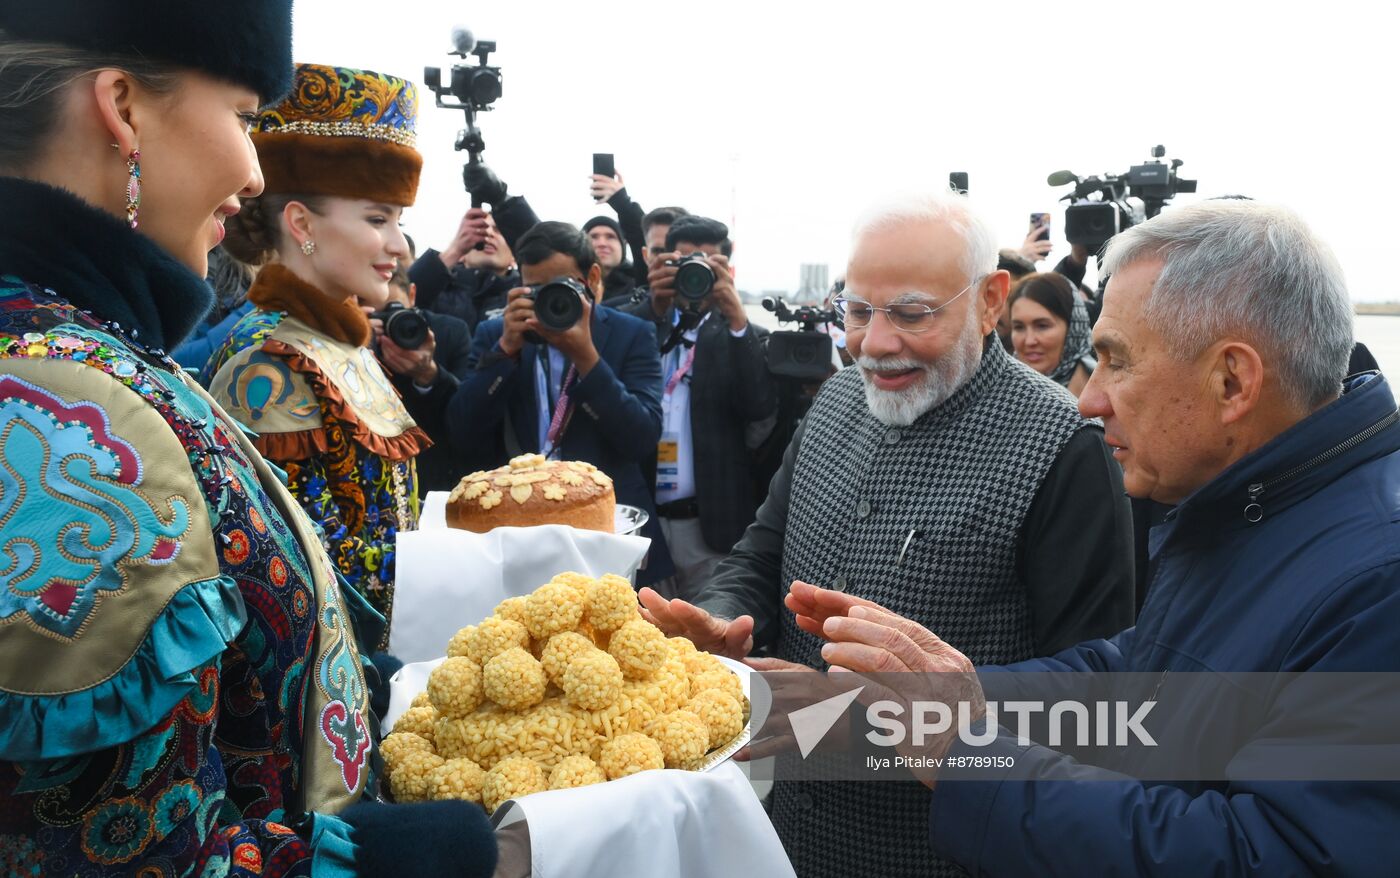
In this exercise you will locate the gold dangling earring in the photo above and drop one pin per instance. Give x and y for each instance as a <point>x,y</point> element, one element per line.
<point>133,187</point>
<point>308,246</point>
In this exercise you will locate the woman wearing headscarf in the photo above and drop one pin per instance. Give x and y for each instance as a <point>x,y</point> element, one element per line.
<point>340,165</point>
<point>181,683</point>
<point>1050,329</point>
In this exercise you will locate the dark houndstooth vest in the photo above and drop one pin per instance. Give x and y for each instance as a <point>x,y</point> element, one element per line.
<point>962,479</point>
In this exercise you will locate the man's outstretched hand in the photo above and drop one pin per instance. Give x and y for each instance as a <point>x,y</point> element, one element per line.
<point>676,618</point>
<point>812,606</point>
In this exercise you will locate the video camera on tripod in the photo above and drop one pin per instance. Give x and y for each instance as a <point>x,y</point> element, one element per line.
<point>803,354</point>
<point>473,89</point>
<point>1123,200</point>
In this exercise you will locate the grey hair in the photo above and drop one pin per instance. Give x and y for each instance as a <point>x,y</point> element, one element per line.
<point>1250,270</point>
<point>980,254</point>
<point>33,79</point>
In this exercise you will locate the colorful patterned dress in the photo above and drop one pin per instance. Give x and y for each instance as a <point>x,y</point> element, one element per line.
<point>179,669</point>
<point>323,408</point>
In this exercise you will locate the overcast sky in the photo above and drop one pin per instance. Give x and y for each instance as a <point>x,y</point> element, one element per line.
<point>787,118</point>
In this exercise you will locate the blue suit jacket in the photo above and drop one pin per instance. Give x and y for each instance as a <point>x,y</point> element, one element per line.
<point>1313,586</point>
<point>615,427</point>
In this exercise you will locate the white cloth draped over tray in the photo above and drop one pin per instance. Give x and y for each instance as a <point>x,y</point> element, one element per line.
<point>684,824</point>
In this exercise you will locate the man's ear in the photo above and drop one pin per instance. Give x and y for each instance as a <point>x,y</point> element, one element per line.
<point>113,92</point>
<point>595,282</point>
<point>993,298</point>
<point>1236,380</point>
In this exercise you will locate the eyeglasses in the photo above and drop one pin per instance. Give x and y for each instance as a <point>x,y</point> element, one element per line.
<point>903,316</point>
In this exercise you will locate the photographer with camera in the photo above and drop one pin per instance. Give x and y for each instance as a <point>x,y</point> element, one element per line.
<point>470,277</point>
<point>426,355</point>
<point>560,376</point>
<point>716,385</point>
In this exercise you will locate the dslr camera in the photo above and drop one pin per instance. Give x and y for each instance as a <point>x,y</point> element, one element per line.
<point>559,303</point>
<point>694,279</point>
<point>1101,207</point>
<point>406,326</point>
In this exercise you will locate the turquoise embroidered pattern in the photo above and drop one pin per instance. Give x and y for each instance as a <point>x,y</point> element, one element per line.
<point>86,492</point>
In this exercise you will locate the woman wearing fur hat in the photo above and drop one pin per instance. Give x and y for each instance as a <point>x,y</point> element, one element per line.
<point>340,166</point>
<point>181,683</point>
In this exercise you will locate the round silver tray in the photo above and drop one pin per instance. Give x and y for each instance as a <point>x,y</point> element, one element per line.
<point>627,520</point>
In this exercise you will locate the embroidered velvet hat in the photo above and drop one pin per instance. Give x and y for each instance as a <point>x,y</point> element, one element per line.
<point>342,132</point>
<point>248,42</point>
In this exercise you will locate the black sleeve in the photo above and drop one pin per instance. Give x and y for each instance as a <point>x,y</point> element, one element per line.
<point>514,218</point>
<point>629,216</point>
<point>430,276</point>
<point>1076,554</point>
<point>1072,270</point>
<point>747,582</point>
<point>754,394</point>
<point>452,355</point>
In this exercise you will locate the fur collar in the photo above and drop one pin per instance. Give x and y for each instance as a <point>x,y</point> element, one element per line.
<point>278,288</point>
<point>53,239</point>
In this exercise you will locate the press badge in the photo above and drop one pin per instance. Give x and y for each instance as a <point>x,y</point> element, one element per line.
<point>668,462</point>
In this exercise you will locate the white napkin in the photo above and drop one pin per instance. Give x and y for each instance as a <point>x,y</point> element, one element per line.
<point>674,823</point>
<point>447,579</point>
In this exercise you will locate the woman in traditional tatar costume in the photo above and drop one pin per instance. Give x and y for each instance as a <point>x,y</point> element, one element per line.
<point>340,166</point>
<point>181,684</point>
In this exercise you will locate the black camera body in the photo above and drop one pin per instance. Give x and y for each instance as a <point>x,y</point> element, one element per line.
<point>406,327</point>
<point>803,355</point>
<point>1101,207</point>
<point>559,304</point>
<point>695,279</point>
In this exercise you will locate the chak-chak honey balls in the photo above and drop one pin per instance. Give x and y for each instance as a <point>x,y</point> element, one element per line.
<point>640,649</point>
<point>575,771</point>
<point>511,779</point>
<point>455,687</point>
<point>514,679</point>
<point>562,688</point>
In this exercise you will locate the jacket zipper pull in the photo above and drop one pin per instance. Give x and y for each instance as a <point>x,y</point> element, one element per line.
<point>1254,513</point>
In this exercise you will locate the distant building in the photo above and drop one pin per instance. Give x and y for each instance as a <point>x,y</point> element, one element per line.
<point>814,282</point>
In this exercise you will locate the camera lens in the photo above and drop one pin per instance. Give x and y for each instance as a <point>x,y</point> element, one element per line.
<point>407,327</point>
<point>694,280</point>
<point>558,306</point>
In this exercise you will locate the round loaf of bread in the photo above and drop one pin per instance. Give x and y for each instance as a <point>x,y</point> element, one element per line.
<point>532,491</point>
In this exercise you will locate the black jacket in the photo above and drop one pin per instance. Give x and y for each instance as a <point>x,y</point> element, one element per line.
<point>438,468</point>
<point>468,294</point>
<point>730,388</point>
<point>629,216</point>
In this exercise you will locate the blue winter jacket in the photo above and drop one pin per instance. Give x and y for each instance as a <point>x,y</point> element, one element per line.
<point>1312,586</point>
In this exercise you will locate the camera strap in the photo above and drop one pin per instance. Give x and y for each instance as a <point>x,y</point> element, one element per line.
<point>686,321</point>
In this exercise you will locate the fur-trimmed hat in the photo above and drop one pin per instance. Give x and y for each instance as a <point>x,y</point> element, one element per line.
<point>342,132</point>
<point>248,42</point>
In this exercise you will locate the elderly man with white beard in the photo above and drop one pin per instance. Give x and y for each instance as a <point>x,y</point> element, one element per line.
<point>938,478</point>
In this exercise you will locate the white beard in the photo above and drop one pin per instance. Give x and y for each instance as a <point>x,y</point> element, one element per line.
<point>939,381</point>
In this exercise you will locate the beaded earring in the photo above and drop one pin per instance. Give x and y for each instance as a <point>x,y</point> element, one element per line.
<point>308,246</point>
<point>133,187</point>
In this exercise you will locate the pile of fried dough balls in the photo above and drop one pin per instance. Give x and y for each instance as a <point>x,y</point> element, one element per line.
<point>562,688</point>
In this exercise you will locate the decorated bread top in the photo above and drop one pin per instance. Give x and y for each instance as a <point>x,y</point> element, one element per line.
<point>531,476</point>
